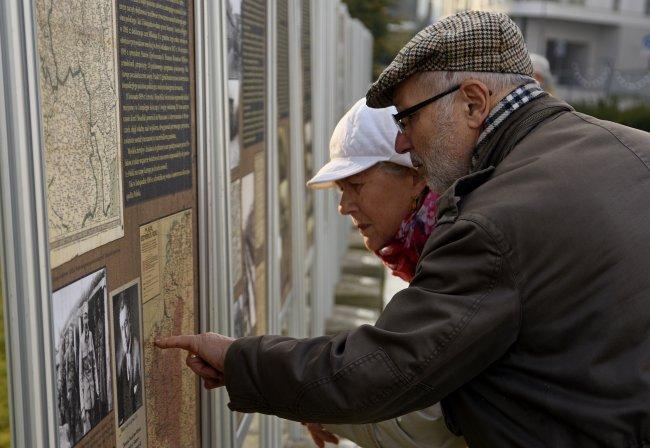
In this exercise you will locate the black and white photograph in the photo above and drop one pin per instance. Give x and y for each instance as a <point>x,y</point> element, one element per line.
<point>234,145</point>
<point>83,381</point>
<point>235,231</point>
<point>233,17</point>
<point>248,248</point>
<point>238,317</point>
<point>128,360</point>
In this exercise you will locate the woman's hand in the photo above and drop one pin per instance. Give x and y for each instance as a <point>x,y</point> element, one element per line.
<point>206,357</point>
<point>320,435</point>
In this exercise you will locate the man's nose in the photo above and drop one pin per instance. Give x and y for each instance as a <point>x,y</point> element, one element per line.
<point>402,143</point>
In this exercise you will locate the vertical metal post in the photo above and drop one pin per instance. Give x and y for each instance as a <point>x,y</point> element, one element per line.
<point>24,234</point>
<point>320,38</point>
<point>298,225</point>
<point>215,273</point>
<point>269,426</point>
<point>297,324</point>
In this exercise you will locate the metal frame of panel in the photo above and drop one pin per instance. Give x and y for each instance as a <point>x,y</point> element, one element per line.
<point>269,426</point>
<point>319,96</point>
<point>212,203</point>
<point>294,314</point>
<point>24,232</point>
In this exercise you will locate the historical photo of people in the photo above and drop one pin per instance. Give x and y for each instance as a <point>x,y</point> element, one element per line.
<point>249,318</point>
<point>83,381</point>
<point>238,316</point>
<point>233,18</point>
<point>127,336</point>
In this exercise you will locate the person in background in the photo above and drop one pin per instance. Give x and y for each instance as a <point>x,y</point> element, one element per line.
<point>89,390</point>
<point>395,212</point>
<point>542,73</point>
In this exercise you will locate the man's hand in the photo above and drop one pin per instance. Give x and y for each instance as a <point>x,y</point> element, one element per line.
<point>320,435</point>
<point>206,357</point>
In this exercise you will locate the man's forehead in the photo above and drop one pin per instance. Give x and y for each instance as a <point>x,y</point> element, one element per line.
<point>405,92</point>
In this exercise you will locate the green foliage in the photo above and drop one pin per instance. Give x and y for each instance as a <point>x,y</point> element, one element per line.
<point>637,116</point>
<point>374,15</point>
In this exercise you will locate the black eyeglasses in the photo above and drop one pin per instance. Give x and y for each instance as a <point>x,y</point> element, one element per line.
<point>413,109</point>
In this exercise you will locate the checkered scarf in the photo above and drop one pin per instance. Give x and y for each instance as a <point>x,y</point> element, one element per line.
<point>514,100</point>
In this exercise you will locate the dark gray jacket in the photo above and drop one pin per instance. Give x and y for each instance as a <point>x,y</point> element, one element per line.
<point>529,314</point>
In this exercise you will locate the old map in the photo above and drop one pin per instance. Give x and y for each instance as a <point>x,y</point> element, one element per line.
<point>168,296</point>
<point>79,95</point>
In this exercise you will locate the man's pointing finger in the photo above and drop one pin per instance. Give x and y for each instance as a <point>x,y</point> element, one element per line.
<point>186,342</point>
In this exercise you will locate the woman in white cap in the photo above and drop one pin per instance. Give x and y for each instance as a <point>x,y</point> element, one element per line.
<point>395,211</point>
<point>383,193</point>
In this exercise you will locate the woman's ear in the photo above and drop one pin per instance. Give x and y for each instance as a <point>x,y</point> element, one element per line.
<point>419,182</point>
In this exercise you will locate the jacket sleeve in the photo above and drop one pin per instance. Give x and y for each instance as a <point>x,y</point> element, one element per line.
<point>460,314</point>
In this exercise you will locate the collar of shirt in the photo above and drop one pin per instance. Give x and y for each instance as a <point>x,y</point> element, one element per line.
<point>520,96</point>
<point>129,374</point>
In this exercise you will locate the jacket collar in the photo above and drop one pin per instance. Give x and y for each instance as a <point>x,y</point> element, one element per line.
<point>502,112</point>
<point>494,148</point>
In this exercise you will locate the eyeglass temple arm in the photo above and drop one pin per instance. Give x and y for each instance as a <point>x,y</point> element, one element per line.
<point>410,110</point>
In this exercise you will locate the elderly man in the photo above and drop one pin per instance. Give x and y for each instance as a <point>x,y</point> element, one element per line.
<point>529,313</point>
<point>128,364</point>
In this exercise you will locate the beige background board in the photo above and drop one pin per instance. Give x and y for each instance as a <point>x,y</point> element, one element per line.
<point>122,260</point>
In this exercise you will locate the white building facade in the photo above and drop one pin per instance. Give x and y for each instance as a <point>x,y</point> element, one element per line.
<point>595,48</point>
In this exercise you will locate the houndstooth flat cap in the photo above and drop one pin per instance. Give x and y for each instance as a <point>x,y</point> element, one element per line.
<point>476,41</point>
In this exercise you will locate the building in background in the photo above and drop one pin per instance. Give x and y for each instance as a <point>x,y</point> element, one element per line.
<point>410,15</point>
<point>596,48</point>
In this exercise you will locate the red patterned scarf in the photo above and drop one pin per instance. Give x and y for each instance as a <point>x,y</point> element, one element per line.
<point>402,253</point>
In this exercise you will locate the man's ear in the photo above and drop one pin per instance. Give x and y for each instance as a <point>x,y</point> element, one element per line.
<point>476,102</point>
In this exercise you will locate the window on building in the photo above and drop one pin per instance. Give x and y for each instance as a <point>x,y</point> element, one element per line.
<point>568,61</point>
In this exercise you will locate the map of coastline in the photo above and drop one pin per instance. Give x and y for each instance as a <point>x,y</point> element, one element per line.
<point>80,108</point>
<point>168,296</point>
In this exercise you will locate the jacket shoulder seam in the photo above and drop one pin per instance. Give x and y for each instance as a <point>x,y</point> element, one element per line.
<point>618,138</point>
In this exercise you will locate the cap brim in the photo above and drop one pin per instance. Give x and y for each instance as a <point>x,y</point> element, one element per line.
<point>340,168</point>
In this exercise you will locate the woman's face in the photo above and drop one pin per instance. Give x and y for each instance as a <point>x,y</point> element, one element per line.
<point>378,200</point>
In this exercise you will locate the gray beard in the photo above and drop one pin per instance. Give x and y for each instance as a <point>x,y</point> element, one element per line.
<point>442,167</point>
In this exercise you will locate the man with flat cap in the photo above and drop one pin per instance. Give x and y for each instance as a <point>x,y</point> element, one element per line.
<point>529,314</point>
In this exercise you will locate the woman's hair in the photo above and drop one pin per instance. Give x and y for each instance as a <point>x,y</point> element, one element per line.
<point>396,169</point>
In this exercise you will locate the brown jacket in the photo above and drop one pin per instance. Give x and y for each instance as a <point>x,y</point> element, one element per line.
<point>529,315</point>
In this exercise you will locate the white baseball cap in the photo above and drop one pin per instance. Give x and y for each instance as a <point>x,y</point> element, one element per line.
<point>362,138</point>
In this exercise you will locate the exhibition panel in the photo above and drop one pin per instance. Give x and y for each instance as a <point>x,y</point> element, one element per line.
<point>117,101</point>
<point>154,159</point>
